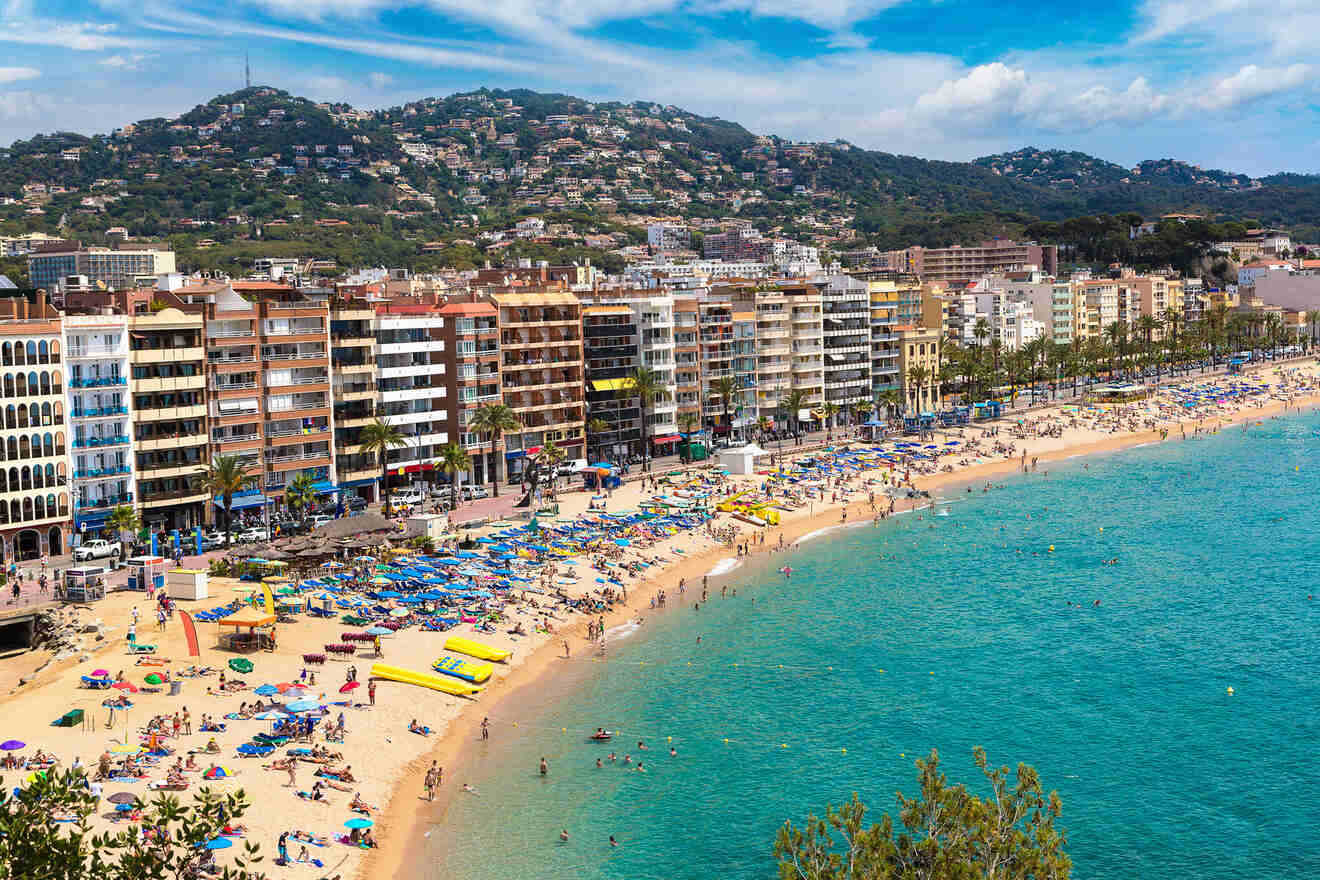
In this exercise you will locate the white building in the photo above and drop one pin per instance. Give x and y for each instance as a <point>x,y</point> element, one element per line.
<point>668,236</point>
<point>100,419</point>
<point>410,371</point>
<point>532,227</point>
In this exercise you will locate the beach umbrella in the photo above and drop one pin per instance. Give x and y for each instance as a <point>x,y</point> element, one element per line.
<point>269,716</point>
<point>125,749</point>
<point>295,692</point>
<point>100,673</point>
<point>348,686</point>
<point>154,678</point>
<point>125,686</point>
<point>218,843</point>
<point>12,745</point>
<point>400,612</point>
<point>380,631</point>
<point>364,559</point>
<point>266,690</point>
<point>218,773</point>
<point>123,797</point>
<point>285,686</point>
<point>332,564</point>
<point>298,706</point>
<point>358,823</point>
<point>623,542</point>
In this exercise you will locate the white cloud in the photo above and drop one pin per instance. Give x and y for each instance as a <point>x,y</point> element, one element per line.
<point>379,80</point>
<point>128,61</point>
<point>23,104</point>
<point>1252,82</point>
<point>18,74</point>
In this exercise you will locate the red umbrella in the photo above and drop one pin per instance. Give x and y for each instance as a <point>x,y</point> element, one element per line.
<point>284,686</point>
<point>348,686</point>
<point>125,686</point>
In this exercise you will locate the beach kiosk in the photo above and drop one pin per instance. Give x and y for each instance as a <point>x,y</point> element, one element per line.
<point>187,583</point>
<point>252,629</point>
<point>146,573</point>
<point>84,583</point>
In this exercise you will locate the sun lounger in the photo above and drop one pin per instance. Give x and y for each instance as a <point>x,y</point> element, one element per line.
<point>241,665</point>
<point>95,683</point>
<point>135,648</point>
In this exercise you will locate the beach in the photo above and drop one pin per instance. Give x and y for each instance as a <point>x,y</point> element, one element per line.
<point>388,762</point>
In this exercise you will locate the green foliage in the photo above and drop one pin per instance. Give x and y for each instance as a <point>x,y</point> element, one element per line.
<point>944,832</point>
<point>379,437</point>
<point>33,844</point>
<point>226,476</point>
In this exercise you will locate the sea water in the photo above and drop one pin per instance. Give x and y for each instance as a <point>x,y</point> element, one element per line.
<point>949,632</point>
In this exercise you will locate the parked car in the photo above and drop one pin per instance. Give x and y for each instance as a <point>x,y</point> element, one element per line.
<point>413,497</point>
<point>573,466</point>
<point>251,536</point>
<point>321,519</point>
<point>98,549</point>
<point>357,502</point>
<point>471,493</point>
<point>212,541</point>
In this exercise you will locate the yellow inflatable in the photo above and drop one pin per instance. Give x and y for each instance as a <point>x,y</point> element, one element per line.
<point>476,649</point>
<point>423,679</point>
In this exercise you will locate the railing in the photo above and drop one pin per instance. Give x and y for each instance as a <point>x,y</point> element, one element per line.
<point>96,473</point>
<point>302,407</point>
<point>293,355</point>
<point>100,442</point>
<point>217,413</point>
<point>100,412</point>
<point>103,502</point>
<point>233,386</point>
<point>105,382</point>
<point>170,496</point>
<point>234,438</point>
<point>303,380</point>
<point>293,432</point>
<point>300,456</point>
<point>306,304</point>
<point>221,361</point>
<point>216,333</point>
<point>91,351</point>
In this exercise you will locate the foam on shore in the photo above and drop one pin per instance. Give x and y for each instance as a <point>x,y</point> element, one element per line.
<point>724,566</point>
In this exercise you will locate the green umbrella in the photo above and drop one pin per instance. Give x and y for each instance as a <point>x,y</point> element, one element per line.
<point>153,678</point>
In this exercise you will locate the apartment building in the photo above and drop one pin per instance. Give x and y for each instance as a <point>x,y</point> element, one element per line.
<point>885,355</point>
<point>117,267</point>
<point>807,347</point>
<point>472,365</point>
<point>167,359</point>
<point>268,377</point>
<point>774,349</point>
<point>846,331</point>
<point>687,363</point>
<point>1097,306</point>
<point>668,236</point>
<point>728,348</point>
<point>541,373</point>
<point>657,348</point>
<point>964,263</point>
<point>611,352</point>
<point>919,347</point>
<point>354,391</point>
<point>1157,295</point>
<point>35,507</point>
<point>97,360</point>
<point>413,387</point>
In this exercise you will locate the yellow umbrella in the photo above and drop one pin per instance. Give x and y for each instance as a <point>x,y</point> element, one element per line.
<point>125,749</point>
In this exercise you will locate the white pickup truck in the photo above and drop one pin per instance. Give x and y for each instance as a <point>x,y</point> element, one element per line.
<point>97,549</point>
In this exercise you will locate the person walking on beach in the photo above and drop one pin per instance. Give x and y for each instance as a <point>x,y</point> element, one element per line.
<point>371,691</point>
<point>430,782</point>
<point>485,728</point>
<point>283,847</point>
<point>565,649</point>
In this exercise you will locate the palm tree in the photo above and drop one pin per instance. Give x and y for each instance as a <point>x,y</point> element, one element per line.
<point>1117,335</point>
<point>648,386</point>
<point>300,494</point>
<point>1171,318</point>
<point>687,424</point>
<point>454,460</point>
<point>1147,325</point>
<point>793,403</point>
<point>380,437</point>
<point>829,411</point>
<point>1312,319</point>
<point>123,519</point>
<point>726,387</point>
<point>917,376</point>
<point>595,427</point>
<point>549,457</point>
<point>494,419</point>
<point>891,401</point>
<point>226,476</point>
<point>764,425</point>
<point>863,409</point>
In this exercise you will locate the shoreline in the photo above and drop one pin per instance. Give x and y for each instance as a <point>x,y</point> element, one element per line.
<point>409,814</point>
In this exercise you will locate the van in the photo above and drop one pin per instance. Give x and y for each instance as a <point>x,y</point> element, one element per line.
<point>573,466</point>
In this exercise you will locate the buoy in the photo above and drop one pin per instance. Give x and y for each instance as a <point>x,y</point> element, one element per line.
<point>669,739</point>
<point>1102,528</point>
<point>845,751</point>
<point>726,740</point>
<point>515,724</point>
<point>563,730</point>
<point>783,745</point>
<point>1051,548</point>
<point>1230,690</point>
<point>902,755</point>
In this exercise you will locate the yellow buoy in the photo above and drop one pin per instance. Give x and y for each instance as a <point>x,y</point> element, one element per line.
<point>1051,548</point>
<point>563,730</point>
<point>902,755</point>
<point>515,724</point>
<point>845,751</point>
<point>1230,690</point>
<point>783,745</point>
<point>669,739</point>
<point>726,740</point>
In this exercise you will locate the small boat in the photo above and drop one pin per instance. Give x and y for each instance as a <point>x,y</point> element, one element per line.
<point>602,735</point>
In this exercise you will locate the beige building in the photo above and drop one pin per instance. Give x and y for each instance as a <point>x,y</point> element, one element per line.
<point>920,347</point>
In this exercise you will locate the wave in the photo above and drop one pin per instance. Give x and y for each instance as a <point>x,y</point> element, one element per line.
<point>816,534</point>
<point>622,631</point>
<point>724,566</point>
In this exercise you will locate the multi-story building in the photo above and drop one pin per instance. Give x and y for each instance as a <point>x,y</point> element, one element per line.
<point>846,331</point>
<point>167,357</point>
<point>919,366</point>
<point>411,375</point>
<point>97,360</point>
<point>35,506</point>
<point>657,350</point>
<point>728,349</point>
<point>353,386</point>
<point>541,372</point>
<point>885,354</point>
<point>119,266</point>
<point>668,236</point>
<point>687,363</point>
<point>808,348</point>
<point>472,352</point>
<point>959,263</point>
<point>774,349</point>
<point>611,353</point>
<point>743,243</point>
<point>268,374</point>
<point>1097,305</point>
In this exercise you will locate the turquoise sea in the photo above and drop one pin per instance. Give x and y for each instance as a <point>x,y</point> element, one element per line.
<point>1123,708</point>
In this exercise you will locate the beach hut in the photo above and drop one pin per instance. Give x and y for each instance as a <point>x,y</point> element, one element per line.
<point>84,583</point>
<point>260,633</point>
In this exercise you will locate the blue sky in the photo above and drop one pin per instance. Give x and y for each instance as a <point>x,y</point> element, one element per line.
<point>1221,83</point>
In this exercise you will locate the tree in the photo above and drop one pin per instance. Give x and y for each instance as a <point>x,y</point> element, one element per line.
<point>891,401</point>
<point>947,833</point>
<point>300,495</point>
<point>494,419</point>
<point>648,386</point>
<point>123,519</point>
<point>793,403</point>
<point>380,436</point>
<point>454,460</point>
<point>829,411</point>
<point>36,845</point>
<point>726,387</point>
<point>595,427</point>
<point>688,422</point>
<point>1312,319</point>
<point>549,458</point>
<point>226,477</point>
<point>917,375</point>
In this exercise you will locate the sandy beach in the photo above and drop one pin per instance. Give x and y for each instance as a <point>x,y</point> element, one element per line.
<point>388,762</point>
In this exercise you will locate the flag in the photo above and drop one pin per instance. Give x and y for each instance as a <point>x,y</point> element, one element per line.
<point>190,632</point>
<point>270,600</point>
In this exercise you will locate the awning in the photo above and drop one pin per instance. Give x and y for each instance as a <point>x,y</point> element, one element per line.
<point>369,481</point>
<point>242,502</point>
<point>413,469</point>
<point>515,453</point>
<point>95,516</point>
<point>611,384</point>
<point>323,486</point>
<point>667,438</point>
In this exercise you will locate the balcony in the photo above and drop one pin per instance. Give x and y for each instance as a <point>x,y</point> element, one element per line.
<point>187,494</point>
<point>100,442</point>
<point>221,439</point>
<point>233,386</point>
<point>278,305</point>
<point>102,473</point>
<point>222,360</point>
<point>106,382</point>
<point>103,412</point>
<point>92,351</point>
<point>102,502</point>
<point>229,333</point>
<point>300,354</point>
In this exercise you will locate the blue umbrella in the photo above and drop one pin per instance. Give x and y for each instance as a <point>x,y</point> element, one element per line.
<point>380,631</point>
<point>270,716</point>
<point>623,542</point>
<point>266,690</point>
<point>303,706</point>
<point>358,823</point>
<point>466,554</point>
<point>218,843</point>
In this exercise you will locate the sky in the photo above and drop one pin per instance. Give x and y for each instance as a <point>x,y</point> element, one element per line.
<point>1227,84</point>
